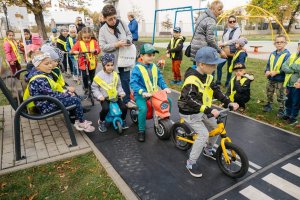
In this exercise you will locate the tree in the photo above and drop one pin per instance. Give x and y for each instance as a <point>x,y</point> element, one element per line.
<point>37,7</point>
<point>282,9</point>
<point>167,23</point>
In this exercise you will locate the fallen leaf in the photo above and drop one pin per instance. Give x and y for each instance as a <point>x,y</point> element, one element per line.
<point>31,198</point>
<point>67,162</point>
<point>3,185</point>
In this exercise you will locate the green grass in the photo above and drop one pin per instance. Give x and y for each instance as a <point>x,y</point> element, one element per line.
<point>258,90</point>
<point>258,37</point>
<point>80,177</point>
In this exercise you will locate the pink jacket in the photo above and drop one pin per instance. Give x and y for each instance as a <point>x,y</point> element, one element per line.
<point>9,52</point>
<point>37,42</point>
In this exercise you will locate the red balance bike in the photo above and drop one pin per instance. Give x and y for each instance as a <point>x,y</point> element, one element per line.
<point>158,108</point>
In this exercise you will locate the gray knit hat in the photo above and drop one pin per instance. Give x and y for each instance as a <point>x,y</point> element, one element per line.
<point>242,41</point>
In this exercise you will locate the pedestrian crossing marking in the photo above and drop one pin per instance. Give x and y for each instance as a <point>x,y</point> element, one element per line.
<point>283,185</point>
<point>252,193</point>
<point>292,169</point>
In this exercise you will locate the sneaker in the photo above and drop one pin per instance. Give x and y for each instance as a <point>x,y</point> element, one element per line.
<point>193,169</point>
<point>75,78</point>
<point>267,107</point>
<point>84,126</point>
<point>130,104</point>
<point>102,127</point>
<point>87,121</point>
<point>292,121</point>
<point>141,136</point>
<point>179,82</point>
<point>280,113</point>
<point>173,82</point>
<point>285,117</point>
<point>125,126</point>
<point>86,91</point>
<point>210,153</point>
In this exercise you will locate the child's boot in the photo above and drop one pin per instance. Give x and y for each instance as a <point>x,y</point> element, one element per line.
<point>179,82</point>
<point>173,82</point>
<point>141,136</point>
<point>280,113</point>
<point>267,107</point>
<point>102,127</point>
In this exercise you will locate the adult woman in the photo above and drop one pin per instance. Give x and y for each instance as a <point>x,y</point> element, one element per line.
<point>231,33</point>
<point>112,36</point>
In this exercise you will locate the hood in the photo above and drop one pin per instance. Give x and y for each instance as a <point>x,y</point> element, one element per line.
<point>192,71</point>
<point>210,14</point>
<point>32,73</point>
<point>183,38</point>
<point>36,39</point>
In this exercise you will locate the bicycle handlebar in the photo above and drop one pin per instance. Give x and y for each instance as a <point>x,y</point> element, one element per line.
<point>230,108</point>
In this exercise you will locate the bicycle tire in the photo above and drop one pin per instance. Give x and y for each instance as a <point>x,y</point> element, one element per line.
<point>185,133</point>
<point>243,161</point>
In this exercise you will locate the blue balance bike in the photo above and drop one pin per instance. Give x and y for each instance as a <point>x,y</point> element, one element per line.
<point>114,116</point>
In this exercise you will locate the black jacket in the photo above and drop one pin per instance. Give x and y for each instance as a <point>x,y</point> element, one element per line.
<point>79,27</point>
<point>190,100</point>
<point>178,49</point>
<point>60,46</point>
<point>242,91</point>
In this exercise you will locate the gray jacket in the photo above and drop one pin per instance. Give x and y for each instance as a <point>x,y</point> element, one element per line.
<point>204,33</point>
<point>107,39</point>
<point>108,78</point>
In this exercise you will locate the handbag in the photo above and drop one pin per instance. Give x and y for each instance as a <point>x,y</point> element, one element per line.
<point>127,56</point>
<point>188,50</point>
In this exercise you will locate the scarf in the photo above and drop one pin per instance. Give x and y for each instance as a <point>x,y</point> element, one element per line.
<point>115,28</point>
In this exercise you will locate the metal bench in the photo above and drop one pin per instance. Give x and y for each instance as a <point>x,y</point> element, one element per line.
<point>21,110</point>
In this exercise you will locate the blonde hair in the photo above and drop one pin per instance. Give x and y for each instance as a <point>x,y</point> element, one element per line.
<point>84,31</point>
<point>215,3</point>
<point>131,14</point>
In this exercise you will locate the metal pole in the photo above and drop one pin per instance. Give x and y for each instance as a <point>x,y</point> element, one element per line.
<point>192,18</point>
<point>175,18</point>
<point>154,27</point>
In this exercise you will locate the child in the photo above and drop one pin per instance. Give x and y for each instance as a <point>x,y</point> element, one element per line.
<point>195,104</point>
<point>239,87</point>
<point>11,52</point>
<point>53,37</point>
<point>28,36</point>
<point>87,43</point>
<point>275,75</point>
<point>174,50</point>
<point>41,83</point>
<point>71,40</point>
<point>145,71</point>
<point>62,45</point>
<point>292,73</point>
<point>36,43</point>
<point>107,86</point>
<point>240,55</point>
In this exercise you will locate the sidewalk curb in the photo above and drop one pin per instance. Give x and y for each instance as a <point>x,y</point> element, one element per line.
<point>251,118</point>
<point>45,161</point>
<point>117,179</point>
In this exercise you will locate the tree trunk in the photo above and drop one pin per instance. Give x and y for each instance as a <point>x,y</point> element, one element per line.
<point>292,20</point>
<point>39,19</point>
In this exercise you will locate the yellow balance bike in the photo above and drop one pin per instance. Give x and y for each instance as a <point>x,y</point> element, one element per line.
<point>231,159</point>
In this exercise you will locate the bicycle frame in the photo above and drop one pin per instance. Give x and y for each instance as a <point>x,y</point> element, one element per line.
<point>219,130</point>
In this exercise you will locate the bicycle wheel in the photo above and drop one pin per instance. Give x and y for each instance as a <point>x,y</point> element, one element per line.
<point>239,164</point>
<point>182,130</point>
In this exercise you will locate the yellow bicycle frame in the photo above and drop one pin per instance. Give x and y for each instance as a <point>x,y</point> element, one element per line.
<point>220,130</point>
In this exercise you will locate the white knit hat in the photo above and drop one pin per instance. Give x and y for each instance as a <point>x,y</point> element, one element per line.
<point>38,59</point>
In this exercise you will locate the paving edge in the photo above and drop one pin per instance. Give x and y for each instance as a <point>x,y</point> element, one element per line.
<point>114,175</point>
<point>265,123</point>
<point>46,161</point>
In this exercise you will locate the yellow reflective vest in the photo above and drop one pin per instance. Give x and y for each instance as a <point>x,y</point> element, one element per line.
<point>60,78</point>
<point>233,92</point>
<point>204,88</point>
<point>54,86</point>
<point>234,59</point>
<point>71,45</point>
<point>62,43</point>
<point>275,67</point>
<point>174,45</point>
<point>110,88</point>
<point>150,86</point>
<point>91,57</point>
<point>14,48</point>
<point>293,60</point>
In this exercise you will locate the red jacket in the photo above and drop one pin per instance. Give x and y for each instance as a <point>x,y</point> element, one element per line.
<point>77,47</point>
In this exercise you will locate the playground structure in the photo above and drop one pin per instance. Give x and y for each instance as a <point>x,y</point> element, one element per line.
<point>255,12</point>
<point>177,9</point>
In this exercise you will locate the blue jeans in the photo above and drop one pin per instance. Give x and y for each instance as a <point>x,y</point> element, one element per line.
<point>125,78</point>
<point>74,65</point>
<point>219,71</point>
<point>292,103</point>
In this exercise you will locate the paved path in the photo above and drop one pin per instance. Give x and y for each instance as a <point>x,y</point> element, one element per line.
<point>263,54</point>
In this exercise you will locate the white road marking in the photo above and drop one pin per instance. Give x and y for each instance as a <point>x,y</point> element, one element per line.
<point>292,169</point>
<point>252,193</point>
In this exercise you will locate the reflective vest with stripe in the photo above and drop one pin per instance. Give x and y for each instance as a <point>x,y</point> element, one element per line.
<point>14,48</point>
<point>62,43</point>
<point>60,78</point>
<point>90,56</point>
<point>110,88</point>
<point>233,92</point>
<point>234,59</point>
<point>204,88</point>
<point>174,45</point>
<point>293,60</point>
<point>71,45</point>
<point>275,67</point>
<point>151,87</point>
<point>54,86</point>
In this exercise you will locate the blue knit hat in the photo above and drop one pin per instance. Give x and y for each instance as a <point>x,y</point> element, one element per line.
<point>108,57</point>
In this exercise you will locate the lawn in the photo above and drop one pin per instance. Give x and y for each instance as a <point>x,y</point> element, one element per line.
<point>80,177</point>
<point>258,91</point>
